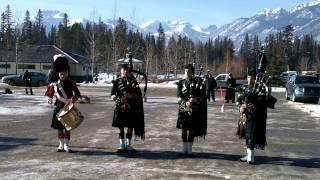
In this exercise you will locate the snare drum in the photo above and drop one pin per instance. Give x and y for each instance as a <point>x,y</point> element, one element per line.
<point>70,116</point>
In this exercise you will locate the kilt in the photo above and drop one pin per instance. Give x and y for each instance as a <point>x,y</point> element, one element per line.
<point>55,123</point>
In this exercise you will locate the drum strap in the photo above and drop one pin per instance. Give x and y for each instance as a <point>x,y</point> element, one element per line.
<point>64,98</point>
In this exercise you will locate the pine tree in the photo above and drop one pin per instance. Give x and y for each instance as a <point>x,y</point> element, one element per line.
<point>287,40</point>
<point>2,30</point>
<point>52,35</point>
<point>8,33</point>
<point>39,32</point>
<point>26,35</point>
<point>160,49</point>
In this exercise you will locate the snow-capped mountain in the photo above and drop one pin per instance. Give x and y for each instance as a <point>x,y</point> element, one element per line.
<point>175,28</point>
<point>305,19</point>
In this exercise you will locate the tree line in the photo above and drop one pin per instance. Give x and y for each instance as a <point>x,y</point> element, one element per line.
<point>161,55</point>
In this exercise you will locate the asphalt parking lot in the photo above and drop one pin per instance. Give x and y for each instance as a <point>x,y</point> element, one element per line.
<point>28,144</point>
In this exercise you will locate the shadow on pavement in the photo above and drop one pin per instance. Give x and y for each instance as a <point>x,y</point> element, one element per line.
<point>173,155</point>
<point>287,161</point>
<point>7,143</point>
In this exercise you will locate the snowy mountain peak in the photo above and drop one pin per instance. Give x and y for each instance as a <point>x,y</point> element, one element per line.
<point>272,12</point>
<point>305,5</point>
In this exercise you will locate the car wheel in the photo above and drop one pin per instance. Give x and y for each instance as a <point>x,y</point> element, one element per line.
<point>287,97</point>
<point>11,82</point>
<point>40,83</point>
<point>294,99</point>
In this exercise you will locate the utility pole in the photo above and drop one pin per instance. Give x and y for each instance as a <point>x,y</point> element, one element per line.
<point>17,39</point>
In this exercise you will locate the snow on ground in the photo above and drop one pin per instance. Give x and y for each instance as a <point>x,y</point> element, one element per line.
<point>37,105</point>
<point>313,109</point>
<point>105,80</point>
<point>20,104</point>
<point>3,86</point>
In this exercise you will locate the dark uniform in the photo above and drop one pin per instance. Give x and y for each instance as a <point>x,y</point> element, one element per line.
<point>128,111</point>
<point>252,123</point>
<point>27,77</point>
<point>193,118</point>
<point>210,84</point>
<point>231,89</point>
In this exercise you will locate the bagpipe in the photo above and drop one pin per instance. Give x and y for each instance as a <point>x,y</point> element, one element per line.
<point>196,89</point>
<point>138,72</point>
<point>262,85</point>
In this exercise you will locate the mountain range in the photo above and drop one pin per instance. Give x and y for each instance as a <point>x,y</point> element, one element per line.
<point>305,19</point>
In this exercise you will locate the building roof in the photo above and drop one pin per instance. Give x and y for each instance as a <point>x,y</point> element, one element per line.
<point>40,54</point>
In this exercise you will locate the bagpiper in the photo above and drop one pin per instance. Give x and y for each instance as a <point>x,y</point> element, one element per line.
<point>192,115</point>
<point>128,111</point>
<point>65,91</point>
<point>253,100</point>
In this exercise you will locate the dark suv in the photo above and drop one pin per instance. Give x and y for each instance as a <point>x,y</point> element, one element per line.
<point>303,88</point>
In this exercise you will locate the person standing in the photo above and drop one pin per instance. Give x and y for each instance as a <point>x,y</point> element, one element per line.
<point>66,91</point>
<point>210,84</point>
<point>27,77</point>
<point>231,89</point>
<point>192,114</point>
<point>128,112</point>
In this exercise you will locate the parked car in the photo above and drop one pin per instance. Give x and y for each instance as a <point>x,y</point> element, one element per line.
<point>38,79</point>
<point>284,76</point>
<point>303,88</point>
<point>222,80</point>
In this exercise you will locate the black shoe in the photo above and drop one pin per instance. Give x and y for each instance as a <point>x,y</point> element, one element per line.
<point>251,163</point>
<point>122,150</point>
<point>61,150</point>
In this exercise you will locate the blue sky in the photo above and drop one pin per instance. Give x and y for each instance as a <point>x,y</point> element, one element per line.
<point>198,12</point>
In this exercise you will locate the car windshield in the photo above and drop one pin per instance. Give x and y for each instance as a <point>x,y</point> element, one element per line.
<point>307,80</point>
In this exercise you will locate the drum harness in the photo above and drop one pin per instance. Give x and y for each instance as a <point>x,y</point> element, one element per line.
<point>64,99</point>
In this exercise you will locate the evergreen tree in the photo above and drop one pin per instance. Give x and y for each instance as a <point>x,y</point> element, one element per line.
<point>287,40</point>
<point>26,35</point>
<point>160,49</point>
<point>8,33</point>
<point>2,30</point>
<point>39,32</point>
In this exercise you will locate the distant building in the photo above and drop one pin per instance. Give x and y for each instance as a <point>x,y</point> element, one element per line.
<point>39,58</point>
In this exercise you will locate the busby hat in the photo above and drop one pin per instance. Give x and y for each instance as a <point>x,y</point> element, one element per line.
<point>61,64</point>
<point>189,66</point>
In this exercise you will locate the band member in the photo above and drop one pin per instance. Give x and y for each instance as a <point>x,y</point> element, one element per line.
<point>192,115</point>
<point>27,77</point>
<point>231,89</point>
<point>66,91</point>
<point>253,115</point>
<point>128,112</point>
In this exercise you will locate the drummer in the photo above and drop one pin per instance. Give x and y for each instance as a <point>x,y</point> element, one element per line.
<point>65,91</point>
